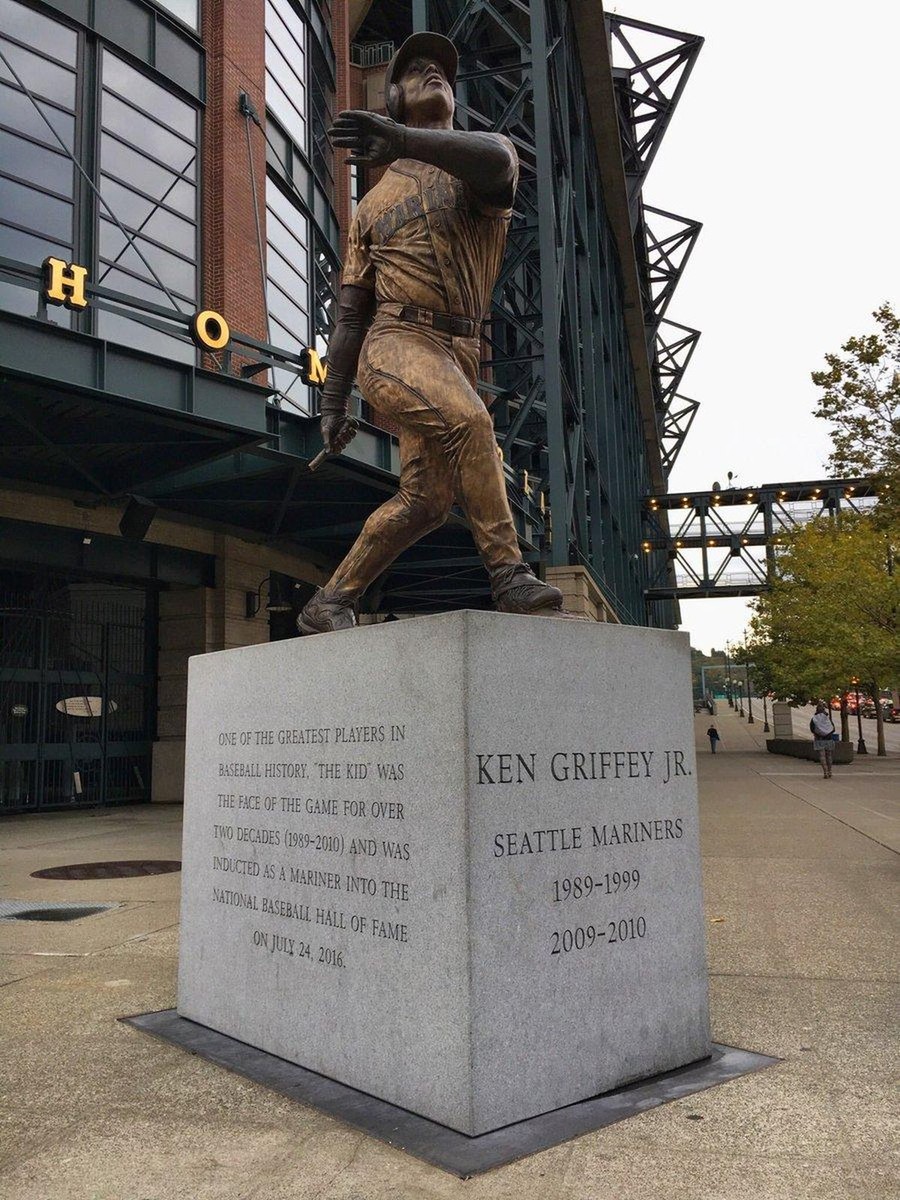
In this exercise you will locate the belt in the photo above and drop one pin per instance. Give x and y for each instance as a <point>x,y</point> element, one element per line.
<point>442,322</point>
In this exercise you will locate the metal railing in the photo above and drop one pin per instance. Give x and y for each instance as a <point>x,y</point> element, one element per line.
<point>371,54</point>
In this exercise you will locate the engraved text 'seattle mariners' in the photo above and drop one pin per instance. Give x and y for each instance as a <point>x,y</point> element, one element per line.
<point>424,252</point>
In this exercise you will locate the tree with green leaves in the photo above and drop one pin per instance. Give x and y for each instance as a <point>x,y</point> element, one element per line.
<point>860,398</point>
<point>831,612</point>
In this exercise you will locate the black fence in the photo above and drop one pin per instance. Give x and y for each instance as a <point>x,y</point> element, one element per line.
<point>77,693</point>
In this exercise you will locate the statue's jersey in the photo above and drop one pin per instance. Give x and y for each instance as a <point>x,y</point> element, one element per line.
<point>421,237</point>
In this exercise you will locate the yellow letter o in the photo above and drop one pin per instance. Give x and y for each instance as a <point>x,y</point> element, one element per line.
<point>211,330</point>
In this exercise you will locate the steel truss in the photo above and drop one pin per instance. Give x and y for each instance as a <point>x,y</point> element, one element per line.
<point>702,544</point>
<point>651,66</point>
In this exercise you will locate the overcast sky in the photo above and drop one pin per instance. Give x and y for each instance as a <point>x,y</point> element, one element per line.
<point>785,146</point>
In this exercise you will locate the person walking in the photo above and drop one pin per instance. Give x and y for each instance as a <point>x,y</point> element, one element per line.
<point>822,728</point>
<point>713,734</point>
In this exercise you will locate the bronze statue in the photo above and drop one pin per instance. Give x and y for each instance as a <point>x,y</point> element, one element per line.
<point>424,252</point>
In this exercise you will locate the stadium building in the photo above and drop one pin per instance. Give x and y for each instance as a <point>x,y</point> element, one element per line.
<point>171,225</point>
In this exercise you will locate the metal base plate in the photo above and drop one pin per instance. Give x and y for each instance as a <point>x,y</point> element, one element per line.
<point>455,1152</point>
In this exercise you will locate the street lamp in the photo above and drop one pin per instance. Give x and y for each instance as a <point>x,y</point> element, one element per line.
<point>861,744</point>
<point>750,720</point>
<point>765,715</point>
<point>728,679</point>
<point>740,691</point>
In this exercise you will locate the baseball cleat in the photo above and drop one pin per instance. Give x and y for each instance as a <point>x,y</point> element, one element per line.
<point>326,613</point>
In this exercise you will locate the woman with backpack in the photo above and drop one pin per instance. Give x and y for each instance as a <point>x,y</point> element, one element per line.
<point>823,731</point>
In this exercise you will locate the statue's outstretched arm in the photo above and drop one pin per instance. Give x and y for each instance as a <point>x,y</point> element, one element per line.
<point>486,162</point>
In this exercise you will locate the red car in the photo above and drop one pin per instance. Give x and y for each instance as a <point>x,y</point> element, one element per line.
<point>850,698</point>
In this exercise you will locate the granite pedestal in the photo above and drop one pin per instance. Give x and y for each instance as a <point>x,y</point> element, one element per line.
<point>451,862</point>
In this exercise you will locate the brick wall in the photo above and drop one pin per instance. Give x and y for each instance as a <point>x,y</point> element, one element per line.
<point>235,63</point>
<point>345,97</point>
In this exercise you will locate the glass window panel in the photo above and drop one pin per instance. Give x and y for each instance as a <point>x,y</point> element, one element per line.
<point>322,106</point>
<point>145,216</point>
<point>288,314</point>
<point>116,327</point>
<point>17,112</point>
<point>286,111</point>
<point>290,326</point>
<point>291,249</point>
<point>35,29</point>
<point>290,72</point>
<point>36,210</point>
<point>172,231</point>
<point>179,276</point>
<point>276,147</point>
<point>30,248</point>
<point>285,338</point>
<point>127,164</point>
<point>184,10</point>
<point>287,380</point>
<point>112,240</point>
<point>288,294</point>
<point>295,396</point>
<point>183,198</point>
<point>286,68</point>
<point>42,77</point>
<point>148,95</point>
<point>288,268</point>
<point>142,193</point>
<point>301,177</point>
<point>35,164</point>
<point>121,281</point>
<point>290,224</point>
<point>131,208</point>
<point>25,302</point>
<point>284,100</point>
<point>286,25</point>
<point>141,131</point>
<point>288,275</point>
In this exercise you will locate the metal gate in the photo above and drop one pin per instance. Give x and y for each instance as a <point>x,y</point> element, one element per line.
<point>77,692</point>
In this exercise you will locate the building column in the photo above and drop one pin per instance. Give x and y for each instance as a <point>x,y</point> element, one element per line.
<point>581,594</point>
<point>185,628</point>
<point>199,620</point>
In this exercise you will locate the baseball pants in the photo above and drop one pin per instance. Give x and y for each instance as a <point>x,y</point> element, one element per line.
<point>424,381</point>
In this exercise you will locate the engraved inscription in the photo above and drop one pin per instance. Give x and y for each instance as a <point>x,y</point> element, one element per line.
<point>607,861</point>
<point>294,860</point>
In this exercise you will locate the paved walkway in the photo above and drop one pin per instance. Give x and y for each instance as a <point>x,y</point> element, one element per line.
<point>801,900</point>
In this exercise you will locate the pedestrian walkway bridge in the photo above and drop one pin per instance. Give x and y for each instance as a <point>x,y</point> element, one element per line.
<point>721,542</point>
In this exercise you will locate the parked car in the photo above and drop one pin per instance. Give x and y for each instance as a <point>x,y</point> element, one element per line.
<point>888,712</point>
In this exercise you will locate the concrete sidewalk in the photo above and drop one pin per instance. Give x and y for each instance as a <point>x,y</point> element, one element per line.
<point>801,902</point>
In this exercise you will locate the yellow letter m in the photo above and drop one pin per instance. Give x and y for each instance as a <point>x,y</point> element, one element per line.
<point>315,368</point>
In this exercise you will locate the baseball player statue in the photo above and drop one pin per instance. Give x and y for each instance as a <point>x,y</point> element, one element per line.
<point>424,252</point>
